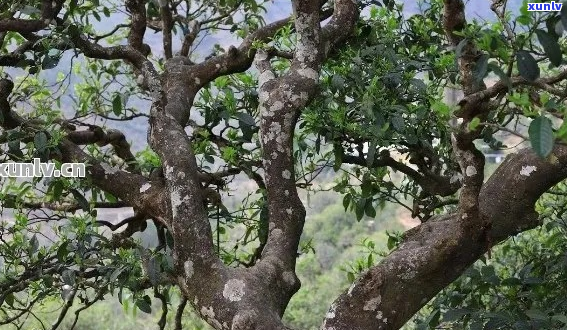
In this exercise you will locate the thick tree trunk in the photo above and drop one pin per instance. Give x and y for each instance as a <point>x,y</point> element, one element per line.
<point>435,253</point>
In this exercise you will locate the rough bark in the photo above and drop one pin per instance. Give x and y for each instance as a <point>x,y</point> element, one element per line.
<point>435,253</point>
<point>253,298</point>
<point>431,256</point>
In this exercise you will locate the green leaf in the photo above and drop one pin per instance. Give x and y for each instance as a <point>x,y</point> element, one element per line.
<point>433,319</point>
<point>419,85</point>
<point>115,274</point>
<point>248,132</point>
<point>117,105</point>
<point>10,299</point>
<point>441,108</point>
<point>153,269</point>
<point>459,48</point>
<point>371,156</point>
<point>481,68</point>
<point>351,277</point>
<point>62,251</point>
<point>456,314</point>
<point>339,152</point>
<point>493,66</point>
<point>392,242</point>
<point>264,225</point>
<point>511,281</point>
<point>34,244</point>
<point>40,141</point>
<point>537,314</point>
<point>246,119</point>
<point>360,208</point>
<point>476,325</point>
<point>209,158</point>
<point>57,190</point>
<point>550,46</point>
<point>562,131</point>
<point>541,136</point>
<point>83,203</point>
<point>346,201</point>
<point>9,201</point>
<point>68,277</point>
<point>494,324</point>
<point>337,82</point>
<point>144,304</point>
<point>49,62</point>
<point>366,185</point>
<point>560,318</point>
<point>527,65</point>
<point>169,239</point>
<point>398,123</point>
<point>109,197</point>
<point>14,149</point>
<point>369,209</point>
<point>474,123</point>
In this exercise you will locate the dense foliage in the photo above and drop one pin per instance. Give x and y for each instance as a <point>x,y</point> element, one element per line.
<point>357,106</point>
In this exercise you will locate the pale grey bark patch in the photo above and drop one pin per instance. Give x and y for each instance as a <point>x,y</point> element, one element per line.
<point>527,170</point>
<point>145,187</point>
<point>234,290</point>
<point>372,304</point>
<point>188,267</point>
<point>470,171</point>
<point>109,169</point>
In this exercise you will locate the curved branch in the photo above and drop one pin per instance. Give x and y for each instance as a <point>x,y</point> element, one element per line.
<point>470,159</point>
<point>113,137</point>
<point>133,189</point>
<point>49,10</point>
<point>137,9</point>
<point>63,207</point>
<point>235,59</point>
<point>179,313</point>
<point>502,87</point>
<point>167,23</point>
<point>68,303</point>
<point>435,253</point>
<point>432,184</point>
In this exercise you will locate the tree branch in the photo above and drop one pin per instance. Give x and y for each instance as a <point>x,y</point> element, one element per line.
<point>67,207</point>
<point>432,184</point>
<point>435,253</point>
<point>49,10</point>
<point>113,137</point>
<point>131,188</point>
<point>470,159</point>
<point>167,23</point>
<point>137,11</point>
